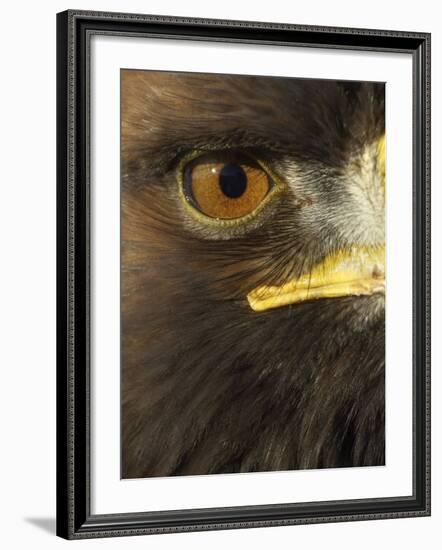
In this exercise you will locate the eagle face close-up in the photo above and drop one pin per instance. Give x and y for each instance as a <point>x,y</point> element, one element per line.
<point>253,273</point>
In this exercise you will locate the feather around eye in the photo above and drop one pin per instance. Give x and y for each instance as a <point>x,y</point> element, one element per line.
<point>225,188</point>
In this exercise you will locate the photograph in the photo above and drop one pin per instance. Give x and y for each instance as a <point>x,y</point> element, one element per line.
<point>252,273</point>
<point>217,262</point>
<point>243,269</point>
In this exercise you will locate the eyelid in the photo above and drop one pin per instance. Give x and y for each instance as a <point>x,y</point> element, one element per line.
<point>277,186</point>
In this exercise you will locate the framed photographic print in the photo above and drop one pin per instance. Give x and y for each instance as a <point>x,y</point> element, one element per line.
<point>243,274</point>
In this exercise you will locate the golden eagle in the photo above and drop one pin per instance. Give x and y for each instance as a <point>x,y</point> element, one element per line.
<point>252,273</point>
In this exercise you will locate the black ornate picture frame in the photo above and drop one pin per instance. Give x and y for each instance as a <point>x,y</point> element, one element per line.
<point>74,32</point>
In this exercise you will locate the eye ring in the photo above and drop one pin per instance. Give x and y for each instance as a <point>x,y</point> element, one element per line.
<point>232,163</point>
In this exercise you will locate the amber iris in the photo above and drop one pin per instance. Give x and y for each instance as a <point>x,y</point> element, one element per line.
<point>225,189</point>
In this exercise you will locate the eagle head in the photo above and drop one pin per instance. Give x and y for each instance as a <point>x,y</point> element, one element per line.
<point>252,273</point>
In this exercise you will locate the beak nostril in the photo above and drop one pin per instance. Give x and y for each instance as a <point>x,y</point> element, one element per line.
<point>378,273</point>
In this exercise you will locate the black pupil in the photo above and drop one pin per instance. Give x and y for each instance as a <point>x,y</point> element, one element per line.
<point>232,180</point>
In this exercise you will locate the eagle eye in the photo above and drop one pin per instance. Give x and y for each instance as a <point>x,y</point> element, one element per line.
<point>224,187</point>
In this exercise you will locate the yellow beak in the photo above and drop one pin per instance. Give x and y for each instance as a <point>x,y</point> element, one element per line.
<point>354,272</point>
